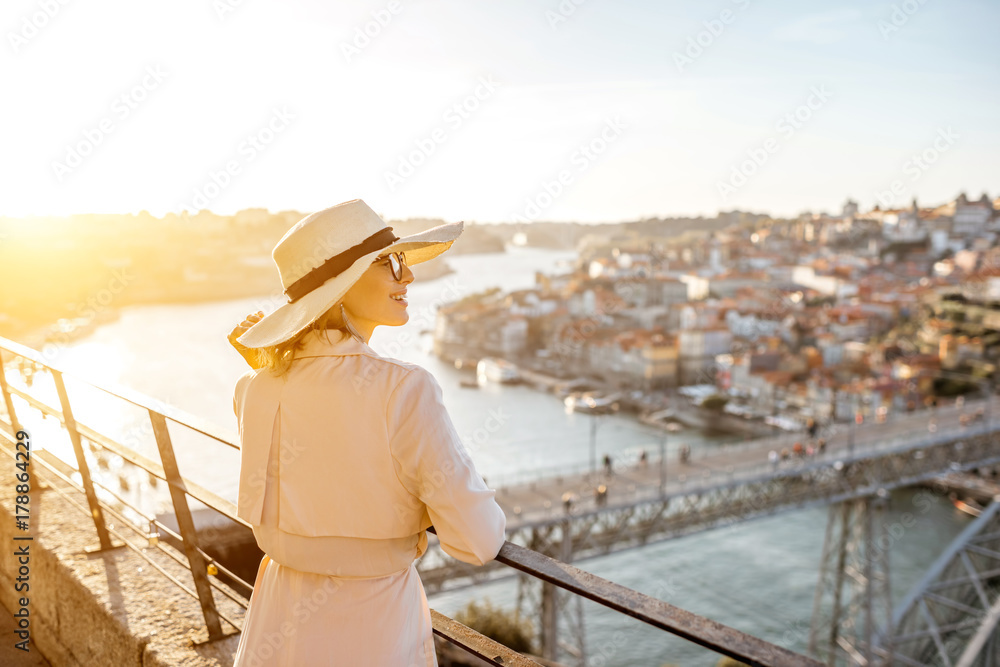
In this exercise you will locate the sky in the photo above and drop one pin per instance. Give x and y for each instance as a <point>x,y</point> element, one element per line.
<point>585,110</point>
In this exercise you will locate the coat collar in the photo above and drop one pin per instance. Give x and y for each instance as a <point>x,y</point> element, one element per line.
<point>314,344</point>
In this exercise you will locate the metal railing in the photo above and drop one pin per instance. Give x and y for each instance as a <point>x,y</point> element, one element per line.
<point>203,568</point>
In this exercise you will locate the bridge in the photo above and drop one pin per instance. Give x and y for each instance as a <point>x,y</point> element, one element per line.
<point>583,514</point>
<point>641,503</point>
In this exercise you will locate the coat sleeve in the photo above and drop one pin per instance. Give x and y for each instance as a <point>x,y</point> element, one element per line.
<point>433,465</point>
<point>240,392</point>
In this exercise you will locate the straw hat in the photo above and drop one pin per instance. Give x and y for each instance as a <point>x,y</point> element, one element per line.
<point>325,253</point>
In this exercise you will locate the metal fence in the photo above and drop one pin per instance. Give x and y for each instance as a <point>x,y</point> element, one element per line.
<point>204,570</point>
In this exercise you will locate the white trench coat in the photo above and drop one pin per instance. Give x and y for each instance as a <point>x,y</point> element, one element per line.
<point>345,462</point>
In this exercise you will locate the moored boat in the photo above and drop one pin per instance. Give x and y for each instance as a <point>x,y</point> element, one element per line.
<point>970,507</point>
<point>674,420</point>
<point>497,370</point>
<point>591,404</point>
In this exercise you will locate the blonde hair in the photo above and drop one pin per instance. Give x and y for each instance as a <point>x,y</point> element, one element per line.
<point>278,358</point>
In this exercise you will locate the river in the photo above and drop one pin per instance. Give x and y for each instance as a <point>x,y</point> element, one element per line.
<point>758,576</point>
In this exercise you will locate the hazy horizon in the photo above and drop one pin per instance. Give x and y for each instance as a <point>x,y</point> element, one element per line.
<point>305,212</point>
<point>587,111</point>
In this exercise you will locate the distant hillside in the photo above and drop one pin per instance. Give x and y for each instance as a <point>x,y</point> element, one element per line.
<point>567,235</point>
<point>474,239</point>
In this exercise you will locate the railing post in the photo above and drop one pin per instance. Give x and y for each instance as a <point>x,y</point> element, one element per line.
<point>185,524</point>
<point>550,622</point>
<point>8,401</point>
<point>663,464</point>
<point>81,462</point>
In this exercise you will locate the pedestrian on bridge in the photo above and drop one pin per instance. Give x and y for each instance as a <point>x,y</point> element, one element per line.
<point>347,456</point>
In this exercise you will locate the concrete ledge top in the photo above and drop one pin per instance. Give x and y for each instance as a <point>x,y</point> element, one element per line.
<point>109,608</point>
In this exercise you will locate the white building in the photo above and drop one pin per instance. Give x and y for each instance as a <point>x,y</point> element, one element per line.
<point>971,217</point>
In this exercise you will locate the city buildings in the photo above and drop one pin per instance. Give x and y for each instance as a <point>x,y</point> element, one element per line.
<point>824,317</point>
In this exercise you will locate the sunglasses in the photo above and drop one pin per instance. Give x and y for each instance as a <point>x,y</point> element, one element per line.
<point>397,261</point>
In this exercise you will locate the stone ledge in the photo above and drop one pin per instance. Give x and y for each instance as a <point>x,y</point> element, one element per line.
<point>110,608</point>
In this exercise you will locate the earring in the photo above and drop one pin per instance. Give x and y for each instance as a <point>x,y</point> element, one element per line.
<point>350,327</point>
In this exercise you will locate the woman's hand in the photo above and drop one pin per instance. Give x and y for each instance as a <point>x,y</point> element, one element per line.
<point>241,329</point>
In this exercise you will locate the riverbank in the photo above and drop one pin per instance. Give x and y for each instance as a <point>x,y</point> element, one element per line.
<point>663,410</point>
<point>71,322</point>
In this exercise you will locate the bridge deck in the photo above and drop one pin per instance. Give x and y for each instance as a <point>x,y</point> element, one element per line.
<point>533,501</point>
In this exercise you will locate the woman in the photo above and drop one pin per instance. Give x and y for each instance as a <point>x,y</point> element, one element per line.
<point>347,457</point>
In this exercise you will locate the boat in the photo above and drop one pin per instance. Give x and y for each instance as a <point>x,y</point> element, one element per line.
<point>674,420</point>
<point>462,363</point>
<point>490,369</point>
<point>591,404</point>
<point>574,386</point>
<point>970,507</point>
<point>697,392</point>
<point>666,419</point>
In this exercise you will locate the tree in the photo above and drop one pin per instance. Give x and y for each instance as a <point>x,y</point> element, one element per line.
<point>506,627</point>
<point>715,402</point>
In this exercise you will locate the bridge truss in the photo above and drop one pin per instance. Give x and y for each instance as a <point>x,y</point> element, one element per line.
<point>652,517</point>
<point>853,595</point>
<point>950,617</point>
